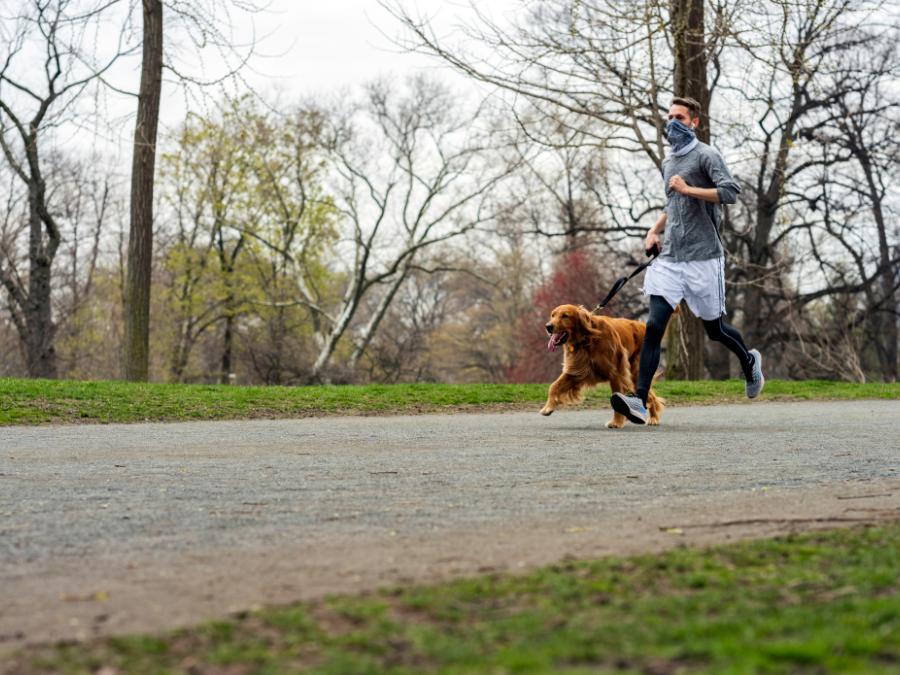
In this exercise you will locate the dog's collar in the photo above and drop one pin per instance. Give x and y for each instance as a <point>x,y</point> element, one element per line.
<point>578,343</point>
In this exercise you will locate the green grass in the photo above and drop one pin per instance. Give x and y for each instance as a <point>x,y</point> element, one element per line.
<point>816,603</point>
<point>25,401</point>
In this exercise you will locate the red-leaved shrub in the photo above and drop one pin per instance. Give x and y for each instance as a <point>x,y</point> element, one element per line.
<point>578,278</point>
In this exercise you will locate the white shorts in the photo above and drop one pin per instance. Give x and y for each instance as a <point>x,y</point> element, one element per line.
<point>701,283</point>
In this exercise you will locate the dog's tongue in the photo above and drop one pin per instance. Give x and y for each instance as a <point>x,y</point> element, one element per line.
<point>554,342</point>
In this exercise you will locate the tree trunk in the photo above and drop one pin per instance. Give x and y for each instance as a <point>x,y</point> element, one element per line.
<point>140,242</point>
<point>685,342</point>
<point>884,316</point>
<point>887,345</point>
<point>40,356</point>
<point>331,340</point>
<point>278,331</point>
<point>227,344</point>
<point>684,346</point>
<point>181,352</point>
<point>377,316</point>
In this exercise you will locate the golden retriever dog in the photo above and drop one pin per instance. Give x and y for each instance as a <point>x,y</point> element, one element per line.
<point>597,349</point>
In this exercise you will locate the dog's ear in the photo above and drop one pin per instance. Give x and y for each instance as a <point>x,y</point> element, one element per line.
<point>585,321</point>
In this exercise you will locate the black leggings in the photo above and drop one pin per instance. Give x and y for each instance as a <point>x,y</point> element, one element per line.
<point>716,329</point>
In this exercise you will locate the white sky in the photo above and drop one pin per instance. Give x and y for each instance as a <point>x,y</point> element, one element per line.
<point>309,47</point>
<point>321,45</point>
<point>305,48</point>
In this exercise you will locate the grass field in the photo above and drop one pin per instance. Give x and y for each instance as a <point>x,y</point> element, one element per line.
<point>58,401</point>
<point>816,603</point>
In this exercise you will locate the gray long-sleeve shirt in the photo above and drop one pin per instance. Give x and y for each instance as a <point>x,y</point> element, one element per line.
<point>692,225</point>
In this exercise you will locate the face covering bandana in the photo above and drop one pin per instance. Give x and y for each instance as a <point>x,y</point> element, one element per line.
<point>681,137</point>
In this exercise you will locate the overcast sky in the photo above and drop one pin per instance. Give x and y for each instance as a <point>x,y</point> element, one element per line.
<point>304,48</point>
<point>308,46</point>
<point>320,45</point>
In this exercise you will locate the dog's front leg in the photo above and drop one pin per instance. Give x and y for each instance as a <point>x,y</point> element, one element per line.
<point>617,421</point>
<point>559,391</point>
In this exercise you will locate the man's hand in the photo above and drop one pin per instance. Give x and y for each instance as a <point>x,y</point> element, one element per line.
<point>710,195</point>
<point>677,183</point>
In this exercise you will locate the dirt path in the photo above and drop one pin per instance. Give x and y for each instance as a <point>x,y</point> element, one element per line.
<point>144,527</point>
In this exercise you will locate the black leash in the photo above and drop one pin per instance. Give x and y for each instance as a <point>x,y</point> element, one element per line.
<point>621,281</point>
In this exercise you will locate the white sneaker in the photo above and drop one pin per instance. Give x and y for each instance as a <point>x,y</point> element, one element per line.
<point>631,406</point>
<point>756,382</point>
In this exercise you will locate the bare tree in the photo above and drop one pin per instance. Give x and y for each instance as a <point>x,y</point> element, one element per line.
<point>402,352</point>
<point>794,219</point>
<point>140,239</point>
<point>84,201</point>
<point>565,183</point>
<point>615,63</point>
<point>201,25</point>
<point>865,124</point>
<point>685,345</point>
<point>33,102</point>
<point>611,63</point>
<point>824,344</point>
<point>411,172</point>
<point>480,335</point>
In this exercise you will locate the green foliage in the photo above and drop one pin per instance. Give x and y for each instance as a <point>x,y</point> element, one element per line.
<point>825,602</point>
<point>250,223</point>
<point>24,401</point>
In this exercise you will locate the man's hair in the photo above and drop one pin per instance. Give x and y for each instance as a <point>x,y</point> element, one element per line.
<point>689,103</point>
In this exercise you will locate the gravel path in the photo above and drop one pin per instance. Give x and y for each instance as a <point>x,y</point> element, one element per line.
<point>117,528</point>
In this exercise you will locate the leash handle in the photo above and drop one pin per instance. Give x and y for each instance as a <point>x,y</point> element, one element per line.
<point>653,253</point>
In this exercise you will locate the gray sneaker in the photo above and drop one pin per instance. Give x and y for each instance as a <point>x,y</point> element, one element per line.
<point>757,381</point>
<point>631,406</point>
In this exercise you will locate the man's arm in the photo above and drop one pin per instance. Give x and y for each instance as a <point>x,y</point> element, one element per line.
<point>706,194</point>
<point>652,238</point>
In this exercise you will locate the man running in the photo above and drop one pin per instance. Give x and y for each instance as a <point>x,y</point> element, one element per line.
<point>691,265</point>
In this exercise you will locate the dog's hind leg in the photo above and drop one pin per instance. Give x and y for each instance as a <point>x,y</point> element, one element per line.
<point>655,407</point>
<point>566,389</point>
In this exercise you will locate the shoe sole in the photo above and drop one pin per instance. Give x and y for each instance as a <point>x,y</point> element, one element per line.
<point>621,407</point>
<point>761,387</point>
<point>762,377</point>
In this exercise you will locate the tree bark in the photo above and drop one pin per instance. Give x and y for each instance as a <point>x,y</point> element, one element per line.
<point>685,341</point>
<point>377,316</point>
<point>227,347</point>
<point>39,352</point>
<point>884,315</point>
<point>140,242</point>
<point>40,355</point>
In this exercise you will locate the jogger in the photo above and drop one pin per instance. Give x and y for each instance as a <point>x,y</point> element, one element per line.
<point>691,266</point>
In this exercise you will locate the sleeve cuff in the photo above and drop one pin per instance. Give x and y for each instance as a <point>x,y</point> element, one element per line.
<point>727,195</point>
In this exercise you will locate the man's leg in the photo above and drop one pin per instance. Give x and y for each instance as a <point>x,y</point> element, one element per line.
<point>635,407</point>
<point>750,359</point>
<point>729,336</point>
<point>660,313</point>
